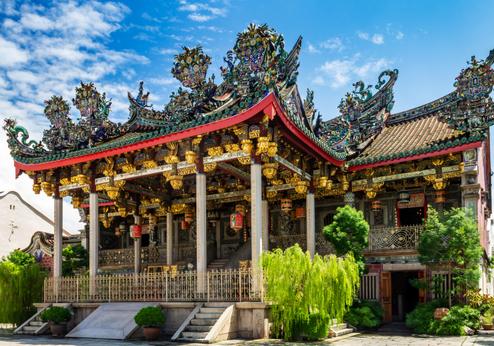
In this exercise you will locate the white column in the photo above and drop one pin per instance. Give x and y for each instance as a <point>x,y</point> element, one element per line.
<point>256,222</point>
<point>137,248</point>
<point>57,240</point>
<point>311,223</point>
<point>201,239</point>
<point>265,225</point>
<point>169,238</point>
<point>93,239</point>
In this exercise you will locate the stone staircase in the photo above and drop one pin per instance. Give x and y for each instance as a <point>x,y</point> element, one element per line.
<point>339,329</point>
<point>218,264</point>
<point>34,325</point>
<point>201,323</point>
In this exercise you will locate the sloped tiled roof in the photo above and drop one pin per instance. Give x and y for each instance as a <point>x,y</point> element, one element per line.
<point>416,136</point>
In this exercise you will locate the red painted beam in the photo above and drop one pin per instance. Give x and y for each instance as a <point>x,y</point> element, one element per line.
<point>269,105</point>
<point>463,147</point>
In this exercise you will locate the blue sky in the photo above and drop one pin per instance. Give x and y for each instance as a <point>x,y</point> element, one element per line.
<point>48,47</point>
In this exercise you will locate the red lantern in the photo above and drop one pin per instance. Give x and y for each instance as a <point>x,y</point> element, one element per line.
<point>300,212</point>
<point>189,217</point>
<point>135,231</point>
<point>184,225</point>
<point>236,221</point>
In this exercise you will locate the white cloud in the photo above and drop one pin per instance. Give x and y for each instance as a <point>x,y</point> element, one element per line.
<point>201,11</point>
<point>196,17</point>
<point>377,39</point>
<point>49,50</point>
<point>11,53</point>
<point>374,38</point>
<point>312,49</point>
<point>168,51</point>
<point>399,35</point>
<point>333,44</point>
<point>342,71</point>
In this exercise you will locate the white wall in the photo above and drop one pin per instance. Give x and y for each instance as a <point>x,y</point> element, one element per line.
<point>18,222</point>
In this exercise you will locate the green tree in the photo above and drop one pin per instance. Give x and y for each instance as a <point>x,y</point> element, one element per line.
<point>21,285</point>
<point>451,239</point>
<point>349,234</point>
<point>302,290</point>
<point>74,258</point>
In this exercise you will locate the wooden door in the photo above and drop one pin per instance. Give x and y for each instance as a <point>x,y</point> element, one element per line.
<point>386,296</point>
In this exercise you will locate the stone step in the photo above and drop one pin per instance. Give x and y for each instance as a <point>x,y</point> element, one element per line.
<point>217,304</point>
<point>212,315</point>
<point>339,326</point>
<point>30,328</point>
<point>211,310</point>
<point>193,328</point>
<point>188,340</point>
<point>194,335</point>
<point>202,322</point>
<point>36,323</point>
<point>340,332</point>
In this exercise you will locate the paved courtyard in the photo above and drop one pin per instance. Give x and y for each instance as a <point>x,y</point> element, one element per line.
<point>356,340</point>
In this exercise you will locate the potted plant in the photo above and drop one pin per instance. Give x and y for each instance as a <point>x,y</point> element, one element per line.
<point>151,319</point>
<point>486,320</point>
<point>57,317</point>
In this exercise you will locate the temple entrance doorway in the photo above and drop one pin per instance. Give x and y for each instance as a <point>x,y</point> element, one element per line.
<point>404,295</point>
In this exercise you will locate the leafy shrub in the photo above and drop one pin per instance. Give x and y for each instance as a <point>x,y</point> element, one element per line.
<point>21,284</point>
<point>297,285</point>
<point>421,318</point>
<point>317,327</point>
<point>479,301</point>
<point>365,314</point>
<point>487,317</point>
<point>150,316</point>
<point>457,318</point>
<point>56,315</point>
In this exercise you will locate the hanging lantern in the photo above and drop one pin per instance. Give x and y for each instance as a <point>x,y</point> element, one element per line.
<point>323,181</point>
<point>440,196</point>
<point>112,192</point>
<point>272,149</point>
<point>188,217</point>
<point>376,205</point>
<point>262,145</point>
<point>184,225</point>
<point>286,204</point>
<point>190,156</point>
<point>301,187</point>
<point>269,170</point>
<point>404,197</point>
<point>236,221</point>
<point>36,188</point>
<point>240,208</point>
<point>176,182</point>
<point>300,213</point>
<point>247,146</point>
<point>47,188</point>
<point>136,231</point>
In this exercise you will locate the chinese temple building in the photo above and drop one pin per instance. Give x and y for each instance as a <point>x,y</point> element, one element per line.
<point>198,190</point>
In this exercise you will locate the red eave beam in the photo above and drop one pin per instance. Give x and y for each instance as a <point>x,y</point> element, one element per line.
<point>269,105</point>
<point>463,147</point>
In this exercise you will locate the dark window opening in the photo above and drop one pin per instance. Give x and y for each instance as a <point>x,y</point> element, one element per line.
<point>411,216</point>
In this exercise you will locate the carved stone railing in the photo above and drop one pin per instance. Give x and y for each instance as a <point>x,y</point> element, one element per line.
<point>394,238</point>
<point>231,285</point>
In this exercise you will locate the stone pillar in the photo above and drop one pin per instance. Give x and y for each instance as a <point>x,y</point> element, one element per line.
<point>175,241</point>
<point>93,240</point>
<point>201,239</point>
<point>137,248</point>
<point>311,223</point>
<point>265,225</point>
<point>57,239</point>
<point>169,238</point>
<point>256,222</point>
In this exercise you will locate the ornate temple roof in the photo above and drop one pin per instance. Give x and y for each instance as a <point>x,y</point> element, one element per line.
<point>260,75</point>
